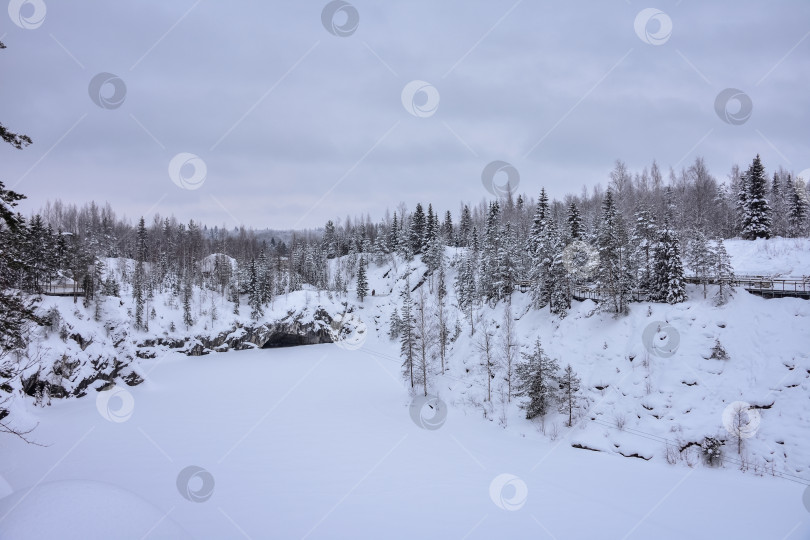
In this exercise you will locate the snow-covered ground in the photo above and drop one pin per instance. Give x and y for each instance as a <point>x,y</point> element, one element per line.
<point>773,257</point>
<point>318,442</point>
<point>321,441</point>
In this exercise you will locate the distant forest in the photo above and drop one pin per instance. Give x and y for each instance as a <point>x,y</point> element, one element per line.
<point>644,227</point>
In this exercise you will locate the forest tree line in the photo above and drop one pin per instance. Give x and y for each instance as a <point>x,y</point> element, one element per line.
<point>643,228</point>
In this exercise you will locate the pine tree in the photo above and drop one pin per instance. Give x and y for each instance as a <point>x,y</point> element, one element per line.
<point>740,181</point>
<point>574,222</point>
<point>330,240</point>
<point>431,229</point>
<point>560,289</point>
<point>433,255</point>
<point>757,216</point>
<point>537,379</point>
<point>188,320</point>
<point>443,329</point>
<point>699,258</point>
<point>644,238</point>
<point>213,311</point>
<point>362,283</point>
<point>778,201</point>
<point>723,272</point>
<point>614,276</point>
<point>235,297</point>
<point>489,255</point>
<point>393,235</point>
<point>417,229</point>
<point>404,246</point>
<point>668,283</point>
<point>138,294</point>
<point>506,262</point>
<point>394,325</point>
<point>466,289</point>
<point>16,310</point>
<point>264,276</point>
<point>798,208</point>
<point>569,393</point>
<point>407,337</point>
<point>447,229</point>
<point>540,249</point>
<point>254,292</point>
<point>140,241</point>
<point>465,228</point>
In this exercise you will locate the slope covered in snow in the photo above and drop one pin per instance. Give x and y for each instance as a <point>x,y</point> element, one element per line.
<point>329,440</point>
<point>773,257</point>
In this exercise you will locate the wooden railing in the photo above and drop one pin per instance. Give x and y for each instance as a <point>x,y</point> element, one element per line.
<point>765,286</point>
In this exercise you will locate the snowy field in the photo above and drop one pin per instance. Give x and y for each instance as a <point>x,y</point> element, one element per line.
<point>318,442</point>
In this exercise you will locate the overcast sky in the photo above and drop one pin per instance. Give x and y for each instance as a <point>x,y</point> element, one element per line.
<point>295,124</point>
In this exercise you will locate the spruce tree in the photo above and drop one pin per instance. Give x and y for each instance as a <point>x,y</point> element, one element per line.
<point>506,262</point>
<point>362,283</point>
<point>757,215</point>
<point>537,379</point>
<point>234,288</point>
<point>574,222</point>
<point>264,276</point>
<point>699,258</point>
<point>560,289</point>
<point>569,393</point>
<point>407,337</point>
<point>447,229</point>
<point>489,255</point>
<point>254,292</point>
<point>443,329</point>
<point>188,320</point>
<point>540,249</point>
<point>723,272</point>
<point>614,277</point>
<point>644,238</point>
<point>668,283</point>
<point>394,325</point>
<point>798,208</point>
<point>465,228</point>
<point>138,295</point>
<point>16,311</point>
<point>417,229</point>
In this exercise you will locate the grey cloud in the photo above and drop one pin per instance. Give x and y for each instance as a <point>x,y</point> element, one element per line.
<point>524,77</point>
